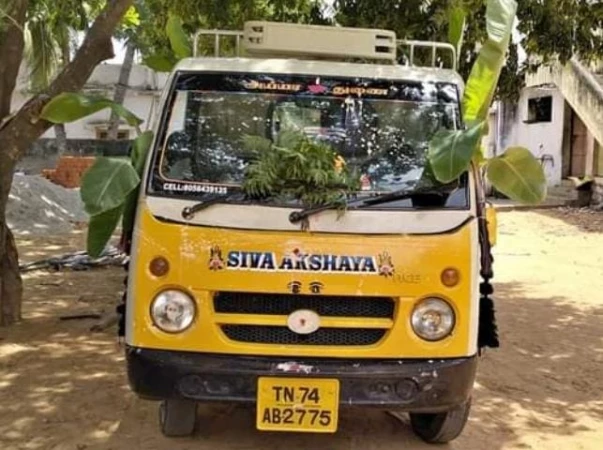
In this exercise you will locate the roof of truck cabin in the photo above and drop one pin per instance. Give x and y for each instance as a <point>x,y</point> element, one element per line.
<point>321,68</point>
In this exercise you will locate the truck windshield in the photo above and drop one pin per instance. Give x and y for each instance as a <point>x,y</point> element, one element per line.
<point>380,128</point>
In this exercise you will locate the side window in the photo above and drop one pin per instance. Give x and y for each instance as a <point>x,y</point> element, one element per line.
<point>540,109</point>
<point>176,157</point>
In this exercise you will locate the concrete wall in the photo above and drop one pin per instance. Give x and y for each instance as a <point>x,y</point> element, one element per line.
<point>542,139</point>
<point>142,97</point>
<point>143,104</point>
<point>545,138</point>
<point>581,88</point>
<point>141,77</point>
<point>598,160</point>
<point>44,153</point>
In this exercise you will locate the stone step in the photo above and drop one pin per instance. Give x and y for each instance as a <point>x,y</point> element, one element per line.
<point>567,184</point>
<point>552,199</point>
<point>570,194</point>
<point>510,205</point>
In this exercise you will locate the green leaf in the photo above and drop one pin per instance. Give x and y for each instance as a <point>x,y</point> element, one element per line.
<point>100,230</point>
<point>255,143</point>
<point>140,148</point>
<point>519,175</point>
<point>500,15</point>
<point>290,139</point>
<point>69,107</point>
<point>106,185</point>
<point>178,39</point>
<point>450,152</point>
<point>160,63</point>
<point>303,169</point>
<point>131,18</point>
<point>124,113</point>
<point>456,27</point>
<point>129,215</point>
<point>479,157</point>
<point>485,72</point>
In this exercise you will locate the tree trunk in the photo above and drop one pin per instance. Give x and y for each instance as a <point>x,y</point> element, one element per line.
<point>11,286</point>
<point>10,277</point>
<point>61,138</point>
<point>19,131</point>
<point>11,52</point>
<point>121,89</point>
<point>59,128</point>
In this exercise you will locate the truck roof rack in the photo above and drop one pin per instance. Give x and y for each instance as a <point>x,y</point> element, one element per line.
<point>275,39</point>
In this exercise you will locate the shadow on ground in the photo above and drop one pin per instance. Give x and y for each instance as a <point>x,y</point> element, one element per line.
<point>546,378</point>
<point>537,388</point>
<point>585,220</point>
<point>61,386</point>
<point>64,388</point>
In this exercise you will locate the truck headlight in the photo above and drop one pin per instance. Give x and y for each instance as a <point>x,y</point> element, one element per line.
<point>433,319</point>
<point>173,311</point>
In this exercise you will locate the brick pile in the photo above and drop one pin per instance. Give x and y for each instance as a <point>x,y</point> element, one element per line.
<point>69,170</point>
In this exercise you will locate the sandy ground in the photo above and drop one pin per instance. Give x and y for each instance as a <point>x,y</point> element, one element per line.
<point>62,387</point>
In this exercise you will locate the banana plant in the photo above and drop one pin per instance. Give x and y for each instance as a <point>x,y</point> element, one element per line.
<point>180,45</point>
<point>516,173</point>
<point>109,188</point>
<point>457,21</point>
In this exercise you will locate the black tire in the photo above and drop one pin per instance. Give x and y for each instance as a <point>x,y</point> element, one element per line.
<point>441,428</point>
<point>177,418</point>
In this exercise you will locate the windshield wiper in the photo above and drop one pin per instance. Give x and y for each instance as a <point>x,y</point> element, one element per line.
<point>299,216</point>
<point>403,194</point>
<point>189,212</point>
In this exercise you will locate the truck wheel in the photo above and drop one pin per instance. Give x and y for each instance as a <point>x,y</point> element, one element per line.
<point>177,417</point>
<point>443,427</point>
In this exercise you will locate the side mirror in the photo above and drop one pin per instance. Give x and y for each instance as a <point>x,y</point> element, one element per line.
<point>491,220</point>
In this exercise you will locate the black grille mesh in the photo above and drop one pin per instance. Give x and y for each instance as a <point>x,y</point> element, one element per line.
<point>323,336</point>
<point>283,305</point>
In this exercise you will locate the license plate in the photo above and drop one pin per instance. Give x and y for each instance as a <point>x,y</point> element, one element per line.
<point>298,404</point>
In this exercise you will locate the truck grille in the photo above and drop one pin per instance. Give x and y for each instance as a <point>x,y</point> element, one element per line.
<point>282,335</point>
<point>242,303</point>
<point>283,305</point>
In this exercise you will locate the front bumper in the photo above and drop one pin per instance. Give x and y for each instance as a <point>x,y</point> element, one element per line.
<point>410,385</point>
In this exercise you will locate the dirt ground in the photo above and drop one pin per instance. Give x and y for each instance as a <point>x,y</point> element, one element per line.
<point>62,387</point>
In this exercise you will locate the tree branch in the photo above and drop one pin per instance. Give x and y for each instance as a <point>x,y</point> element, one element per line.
<point>26,126</point>
<point>11,52</point>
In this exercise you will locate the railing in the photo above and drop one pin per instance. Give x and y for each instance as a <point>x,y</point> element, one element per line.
<point>410,56</point>
<point>218,34</point>
<point>434,46</point>
<point>587,77</point>
<point>584,93</point>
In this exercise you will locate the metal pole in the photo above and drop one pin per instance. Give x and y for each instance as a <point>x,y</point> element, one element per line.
<point>195,44</point>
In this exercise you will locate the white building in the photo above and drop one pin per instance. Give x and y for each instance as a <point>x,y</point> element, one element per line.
<point>559,118</point>
<point>142,97</point>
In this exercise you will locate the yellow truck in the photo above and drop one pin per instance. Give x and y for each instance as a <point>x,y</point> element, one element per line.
<point>230,299</point>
